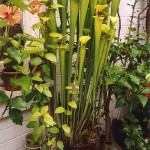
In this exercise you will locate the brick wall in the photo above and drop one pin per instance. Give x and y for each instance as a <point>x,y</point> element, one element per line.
<point>12,137</point>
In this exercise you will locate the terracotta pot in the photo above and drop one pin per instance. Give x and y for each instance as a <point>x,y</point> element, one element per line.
<point>30,145</point>
<point>91,146</point>
<point>6,79</point>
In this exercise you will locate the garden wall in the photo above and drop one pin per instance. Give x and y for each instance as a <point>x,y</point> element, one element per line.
<point>12,137</point>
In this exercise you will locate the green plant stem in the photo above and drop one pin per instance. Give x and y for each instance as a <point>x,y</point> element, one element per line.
<point>74,6</point>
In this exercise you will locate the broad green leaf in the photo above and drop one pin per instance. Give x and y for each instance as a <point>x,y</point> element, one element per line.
<point>35,116</point>
<point>40,88</point>
<point>35,61</point>
<point>32,124</point>
<point>109,81</point>
<point>147,77</point>
<point>51,57</point>
<point>72,104</point>
<point>146,91</point>
<point>69,135</point>
<point>60,145</point>
<point>24,82</point>
<point>47,93</point>
<point>3,97</point>
<point>46,69</point>
<point>37,25</point>
<point>37,132</point>
<point>32,50</point>
<point>20,4</point>
<point>16,116</point>
<point>143,99</point>
<point>7,60</point>
<point>68,112</point>
<point>2,23</point>
<point>35,44</point>
<point>125,83</point>
<point>53,130</point>
<point>18,102</point>
<point>15,43</point>
<point>44,110</point>
<point>22,69</point>
<point>49,120</point>
<point>66,128</point>
<point>51,142</point>
<point>59,110</point>
<point>14,53</point>
<point>35,109</point>
<point>134,79</point>
<point>36,78</point>
<point>25,37</point>
<point>120,102</point>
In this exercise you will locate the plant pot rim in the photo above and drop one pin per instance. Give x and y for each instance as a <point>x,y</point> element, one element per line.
<point>11,72</point>
<point>84,145</point>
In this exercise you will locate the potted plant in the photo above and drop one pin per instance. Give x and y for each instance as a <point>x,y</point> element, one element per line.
<point>84,36</point>
<point>88,39</point>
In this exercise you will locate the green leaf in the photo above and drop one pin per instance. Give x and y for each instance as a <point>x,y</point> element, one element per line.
<point>22,69</point>
<point>59,110</point>
<point>7,60</point>
<point>49,120</point>
<point>109,81</point>
<point>134,79</point>
<point>32,124</point>
<point>147,77</point>
<point>2,23</point>
<point>20,4</point>
<point>146,91</point>
<point>120,102</point>
<point>66,128</point>
<point>32,50</point>
<point>24,82</point>
<point>46,69</point>
<point>36,78</point>
<point>72,104</point>
<point>69,135</point>
<point>35,61</point>
<point>47,93</point>
<point>3,97</point>
<point>16,116</point>
<point>60,145</point>
<point>37,132</point>
<point>51,142</point>
<point>51,57</point>
<point>39,88</point>
<point>35,116</point>
<point>143,99</point>
<point>44,110</point>
<point>68,112</point>
<point>14,53</point>
<point>35,44</point>
<point>37,25</point>
<point>53,130</point>
<point>18,102</point>
<point>125,83</point>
